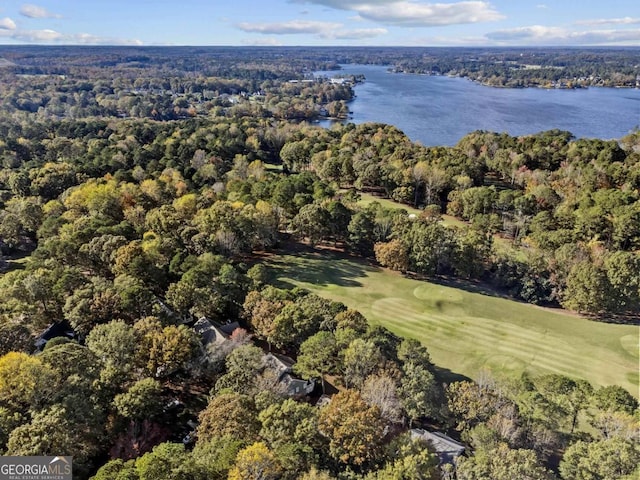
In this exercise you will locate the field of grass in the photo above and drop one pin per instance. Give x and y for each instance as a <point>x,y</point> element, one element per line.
<point>466,329</point>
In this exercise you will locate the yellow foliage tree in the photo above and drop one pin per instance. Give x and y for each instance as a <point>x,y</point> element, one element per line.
<point>255,462</point>
<point>24,380</point>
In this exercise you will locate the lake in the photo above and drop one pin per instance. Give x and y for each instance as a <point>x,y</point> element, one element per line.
<point>439,110</point>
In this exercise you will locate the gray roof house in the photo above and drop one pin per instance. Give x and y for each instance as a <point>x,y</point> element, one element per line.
<point>283,366</point>
<point>211,332</point>
<point>445,447</point>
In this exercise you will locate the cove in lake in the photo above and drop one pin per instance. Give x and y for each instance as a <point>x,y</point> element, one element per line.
<point>438,110</point>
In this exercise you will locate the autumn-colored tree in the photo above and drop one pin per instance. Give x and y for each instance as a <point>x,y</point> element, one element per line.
<point>255,462</point>
<point>25,381</point>
<point>163,351</point>
<point>393,254</point>
<point>470,403</point>
<point>352,319</point>
<point>315,474</point>
<point>382,391</point>
<point>261,313</point>
<point>229,414</point>
<point>354,429</point>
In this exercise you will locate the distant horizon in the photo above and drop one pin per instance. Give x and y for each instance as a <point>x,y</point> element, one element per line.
<point>346,47</point>
<point>447,23</point>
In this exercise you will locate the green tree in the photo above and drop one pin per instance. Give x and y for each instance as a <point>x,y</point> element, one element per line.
<point>50,432</point>
<point>588,289</point>
<point>243,366</point>
<point>141,401</point>
<point>606,459</point>
<point>622,272</point>
<point>167,461</point>
<point>360,359</point>
<point>502,463</point>
<point>317,356</point>
<point>117,470</point>
<point>312,221</point>
<point>216,456</point>
<point>419,391</point>
<point>417,466</point>
<point>298,320</point>
<point>15,338</point>
<point>289,422</point>
<point>565,397</point>
<point>361,232</point>
<point>615,398</point>
<point>115,344</point>
<point>295,156</point>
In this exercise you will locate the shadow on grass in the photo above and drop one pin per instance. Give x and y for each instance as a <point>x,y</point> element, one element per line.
<point>302,265</point>
<point>445,375</point>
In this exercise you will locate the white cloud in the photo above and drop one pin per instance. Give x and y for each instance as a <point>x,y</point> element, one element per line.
<point>47,36</point>
<point>7,24</point>
<point>415,14</point>
<point>288,28</point>
<point>359,33</point>
<point>34,11</point>
<point>541,35</point>
<point>328,30</point>
<point>610,21</point>
<point>445,41</point>
<point>542,5</point>
<point>412,13</point>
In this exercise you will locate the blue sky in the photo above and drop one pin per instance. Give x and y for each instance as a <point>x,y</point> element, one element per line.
<point>322,22</point>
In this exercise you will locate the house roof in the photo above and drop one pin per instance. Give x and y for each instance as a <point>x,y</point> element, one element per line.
<point>446,447</point>
<point>228,328</point>
<point>283,366</point>
<point>209,333</point>
<point>56,329</point>
<point>279,363</point>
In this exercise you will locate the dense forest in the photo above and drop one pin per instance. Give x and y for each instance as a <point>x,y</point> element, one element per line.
<point>140,331</point>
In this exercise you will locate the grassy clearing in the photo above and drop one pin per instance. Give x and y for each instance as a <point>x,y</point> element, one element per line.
<point>367,199</point>
<point>467,330</point>
<point>502,245</point>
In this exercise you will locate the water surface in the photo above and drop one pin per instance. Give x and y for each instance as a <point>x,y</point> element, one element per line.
<point>438,110</point>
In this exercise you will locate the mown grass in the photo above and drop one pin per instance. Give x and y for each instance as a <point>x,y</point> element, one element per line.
<point>468,329</point>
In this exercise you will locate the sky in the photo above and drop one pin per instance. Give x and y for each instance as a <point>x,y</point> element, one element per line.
<point>322,22</point>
